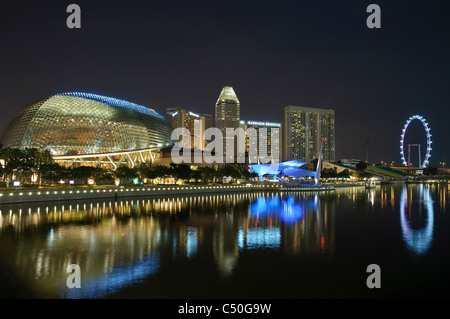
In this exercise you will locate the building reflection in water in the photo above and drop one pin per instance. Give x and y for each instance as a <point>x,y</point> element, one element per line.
<point>295,222</point>
<point>417,240</point>
<point>118,244</point>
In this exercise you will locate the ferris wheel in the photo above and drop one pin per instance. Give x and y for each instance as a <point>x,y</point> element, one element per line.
<point>427,131</point>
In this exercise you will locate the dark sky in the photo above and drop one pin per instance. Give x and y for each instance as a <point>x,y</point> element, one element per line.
<point>273,53</point>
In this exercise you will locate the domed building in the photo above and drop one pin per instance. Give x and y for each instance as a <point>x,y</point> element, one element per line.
<point>89,128</point>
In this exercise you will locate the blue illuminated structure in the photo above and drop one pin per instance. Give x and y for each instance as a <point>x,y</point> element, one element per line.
<point>114,102</point>
<point>288,168</point>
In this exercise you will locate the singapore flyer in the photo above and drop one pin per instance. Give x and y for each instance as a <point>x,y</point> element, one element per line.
<point>427,131</point>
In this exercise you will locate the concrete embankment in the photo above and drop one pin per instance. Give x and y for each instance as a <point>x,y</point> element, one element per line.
<point>64,194</point>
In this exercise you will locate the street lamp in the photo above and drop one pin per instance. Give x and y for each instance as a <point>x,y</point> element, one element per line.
<point>443,166</point>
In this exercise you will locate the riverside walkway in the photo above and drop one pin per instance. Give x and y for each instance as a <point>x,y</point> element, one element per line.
<point>75,193</point>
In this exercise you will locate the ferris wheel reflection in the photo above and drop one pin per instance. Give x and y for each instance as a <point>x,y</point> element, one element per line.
<point>417,240</point>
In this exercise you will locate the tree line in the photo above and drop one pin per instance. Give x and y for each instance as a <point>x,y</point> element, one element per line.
<point>30,165</point>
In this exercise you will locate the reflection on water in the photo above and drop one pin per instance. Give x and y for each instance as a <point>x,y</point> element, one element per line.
<point>110,281</point>
<point>120,244</point>
<point>268,213</point>
<point>418,240</point>
<point>134,243</point>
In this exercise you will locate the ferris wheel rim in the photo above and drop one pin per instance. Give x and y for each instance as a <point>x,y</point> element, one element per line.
<point>427,131</point>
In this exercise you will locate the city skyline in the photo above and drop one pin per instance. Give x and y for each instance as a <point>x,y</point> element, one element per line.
<point>210,153</point>
<point>312,55</point>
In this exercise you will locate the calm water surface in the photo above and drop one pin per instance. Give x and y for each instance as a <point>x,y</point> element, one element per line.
<point>254,245</point>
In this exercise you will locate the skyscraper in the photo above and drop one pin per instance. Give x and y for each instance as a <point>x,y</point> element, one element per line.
<point>260,136</point>
<point>227,113</point>
<point>208,120</point>
<point>188,119</point>
<point>304,130</point>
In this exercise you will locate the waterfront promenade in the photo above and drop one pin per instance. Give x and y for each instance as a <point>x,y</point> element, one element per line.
<point>74,193</point>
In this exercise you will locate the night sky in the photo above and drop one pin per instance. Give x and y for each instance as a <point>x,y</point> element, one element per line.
<point>273,53</point>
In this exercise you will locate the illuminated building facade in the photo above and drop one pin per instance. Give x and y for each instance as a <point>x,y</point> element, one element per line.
<point>227,113</point>
<point>304,130</point>
<point>208,120</point>
<point>265,137</point>
<point>78,125</point>
<point>188,119</point>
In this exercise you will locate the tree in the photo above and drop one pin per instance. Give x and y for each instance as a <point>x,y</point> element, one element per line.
<point>144,171</point>
<point>23,162</point>
<point>161,171</point>
<point>125,173</point>
<point>54,172</point>
<point>196,174</point>
<point>207,173</point>
<point>429,170</point>
<point>328,173</point>
<point>364,174</point>
<point>180,171</point>
<point>103,176</point>
<point>243,171</point>
<point>361,166</point>
<point>254,175</point>
<point>44,158</point>
<point>344,174</point>
<point>231,171</point>
<point>85,172</point>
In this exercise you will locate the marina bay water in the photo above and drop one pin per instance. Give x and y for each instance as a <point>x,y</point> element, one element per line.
<point>242,245</point>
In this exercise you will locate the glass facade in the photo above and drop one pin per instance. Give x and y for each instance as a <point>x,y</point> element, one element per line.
<point>83,123</point>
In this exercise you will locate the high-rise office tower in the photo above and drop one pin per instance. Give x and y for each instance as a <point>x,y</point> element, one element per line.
<point>208,120</point>
<point>227,114</point>
<point>304,130</point>
<point>189,120</point>
<point>262,141</point>
<point>208,124</point>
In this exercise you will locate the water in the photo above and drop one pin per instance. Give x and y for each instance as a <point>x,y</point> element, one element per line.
<point>254,245</point>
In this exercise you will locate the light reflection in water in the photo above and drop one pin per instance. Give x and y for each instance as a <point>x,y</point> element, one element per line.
<point>269,216</point>
<point>120,277</point>
<point>118,244</point>
<point>288,210</point>
<point>417,240</point>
